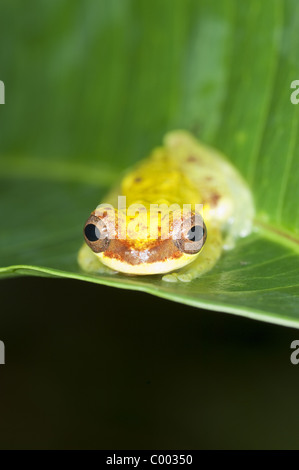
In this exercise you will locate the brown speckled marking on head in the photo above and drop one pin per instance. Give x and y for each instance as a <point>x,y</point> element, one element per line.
<point>161,250</point>
<point>214,199</point>
<point>138,179</point>
<point>192,159</point>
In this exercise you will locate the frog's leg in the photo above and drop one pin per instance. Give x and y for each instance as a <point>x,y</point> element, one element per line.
<point>204,262</point>
<point>90,263</point>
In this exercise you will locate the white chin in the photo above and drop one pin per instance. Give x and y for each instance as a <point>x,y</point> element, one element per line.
<point>159,267</point>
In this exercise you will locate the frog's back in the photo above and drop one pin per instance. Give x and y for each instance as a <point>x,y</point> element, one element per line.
<point>222,188</point>
<point>184,171</point>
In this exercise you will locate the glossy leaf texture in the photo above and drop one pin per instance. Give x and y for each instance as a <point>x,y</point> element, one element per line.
<point>91,87</point>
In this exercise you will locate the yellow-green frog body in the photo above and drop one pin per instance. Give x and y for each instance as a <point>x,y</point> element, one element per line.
<point>183,172</point>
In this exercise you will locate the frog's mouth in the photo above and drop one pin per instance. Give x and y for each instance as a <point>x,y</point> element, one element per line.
<point>161,257</point>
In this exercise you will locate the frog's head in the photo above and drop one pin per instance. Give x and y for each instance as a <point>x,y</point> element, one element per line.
<point>133,246</point>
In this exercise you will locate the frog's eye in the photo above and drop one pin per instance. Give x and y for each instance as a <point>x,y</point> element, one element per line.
<point>192,238</point>
<point>96,234</point>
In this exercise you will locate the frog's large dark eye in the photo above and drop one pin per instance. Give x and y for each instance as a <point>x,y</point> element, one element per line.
<point>92,233</point>
<point>196,233</point>
<point>192,239</point>
<point>96,234</point>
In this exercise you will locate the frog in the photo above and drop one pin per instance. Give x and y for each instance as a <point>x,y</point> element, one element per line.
<point>183,172</point>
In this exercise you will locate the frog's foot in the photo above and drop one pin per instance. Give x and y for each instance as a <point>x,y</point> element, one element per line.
<point>193,271</point>
<point>90,263</point>
<point>229,243</point>
<point>204,262</point>
<point>175,277</point>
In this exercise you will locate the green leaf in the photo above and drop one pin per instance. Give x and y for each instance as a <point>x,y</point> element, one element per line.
<point>91,87</point>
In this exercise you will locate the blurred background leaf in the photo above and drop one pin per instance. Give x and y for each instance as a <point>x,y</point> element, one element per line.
<point>91,87</point>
